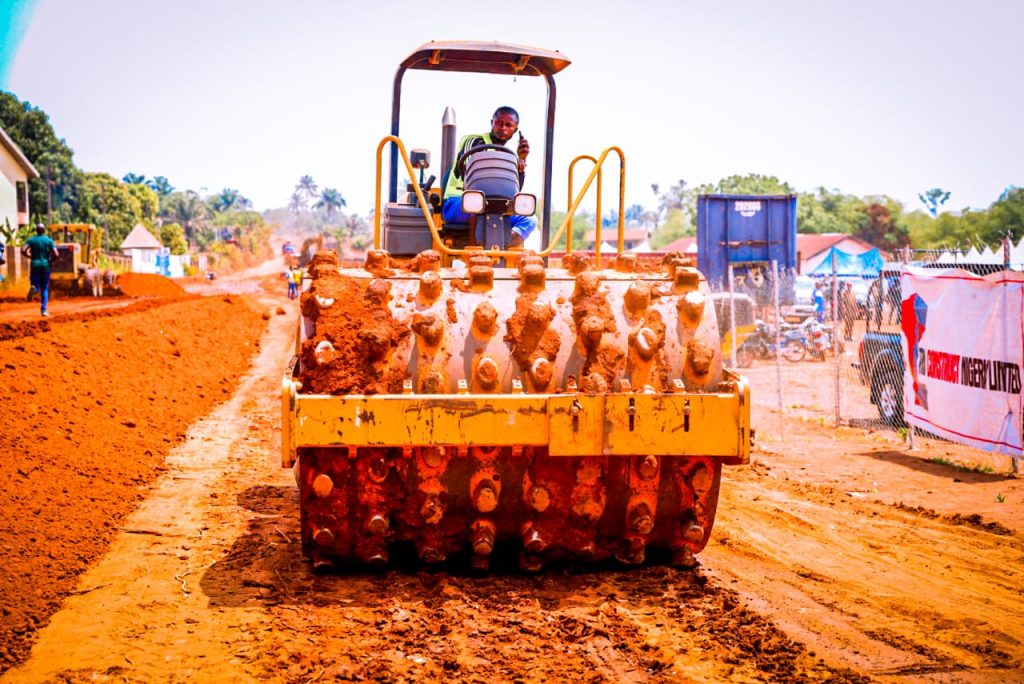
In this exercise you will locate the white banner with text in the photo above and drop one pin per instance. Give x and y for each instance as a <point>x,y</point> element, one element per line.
<point>963,345</point>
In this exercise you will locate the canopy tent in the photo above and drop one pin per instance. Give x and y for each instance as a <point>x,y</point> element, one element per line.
<point>868,264</point>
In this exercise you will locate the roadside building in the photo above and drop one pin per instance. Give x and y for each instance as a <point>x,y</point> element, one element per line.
<point>15,172</point>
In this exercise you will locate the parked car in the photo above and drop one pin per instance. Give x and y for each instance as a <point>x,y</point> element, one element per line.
<point>880,353</point>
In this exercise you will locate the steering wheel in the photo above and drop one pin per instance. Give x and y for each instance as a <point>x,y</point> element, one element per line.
<point>460,164</point>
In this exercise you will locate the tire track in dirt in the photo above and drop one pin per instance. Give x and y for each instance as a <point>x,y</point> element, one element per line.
<point>878,588</point>
<point>139,612</point>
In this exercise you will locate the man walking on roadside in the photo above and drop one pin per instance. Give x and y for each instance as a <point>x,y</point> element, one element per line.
<point>42,251</point>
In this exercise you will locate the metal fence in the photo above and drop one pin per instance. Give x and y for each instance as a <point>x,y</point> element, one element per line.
<point>834,355</point>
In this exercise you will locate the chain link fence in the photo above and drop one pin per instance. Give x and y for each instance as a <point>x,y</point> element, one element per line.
<point>829,348</point>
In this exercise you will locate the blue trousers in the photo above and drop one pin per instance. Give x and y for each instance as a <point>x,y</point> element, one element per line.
<point>39,278</point>
<point>452,213</point>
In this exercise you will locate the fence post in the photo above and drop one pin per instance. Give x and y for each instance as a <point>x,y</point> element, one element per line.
<point>778,333</point>
<point>732,317</point>
<point>835,332</point>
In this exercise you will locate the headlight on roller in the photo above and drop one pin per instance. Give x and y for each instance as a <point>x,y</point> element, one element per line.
<point>524,204</point>
<point>473,202</point>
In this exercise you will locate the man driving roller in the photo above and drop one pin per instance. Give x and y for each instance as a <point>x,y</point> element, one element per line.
<point>504,125</point>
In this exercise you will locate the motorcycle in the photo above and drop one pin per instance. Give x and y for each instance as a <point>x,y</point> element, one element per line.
<point>762,344</point>
<point>820,340</point>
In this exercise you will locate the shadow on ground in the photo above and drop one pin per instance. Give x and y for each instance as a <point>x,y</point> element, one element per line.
<point>940,470</point>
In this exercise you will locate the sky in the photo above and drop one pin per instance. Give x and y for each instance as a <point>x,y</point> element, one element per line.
<point>867,97</point>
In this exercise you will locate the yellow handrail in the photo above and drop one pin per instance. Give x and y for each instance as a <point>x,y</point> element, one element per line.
<point>597,228</point>
<point>499,252</point>
<point>596,171</point>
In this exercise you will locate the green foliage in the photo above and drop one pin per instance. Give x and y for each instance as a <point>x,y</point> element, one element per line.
<point>934,199</point>
<point>880,226</point>
<point>828,211</point>
<point>188,209</point>
<point>29,127</point>
<point>13,236</point>
<point>1004,217</point>
<point>582,223</point>
<point>106,201</point>
<point>330,202</point>
<point>172,236</point>
<point>674,227</point>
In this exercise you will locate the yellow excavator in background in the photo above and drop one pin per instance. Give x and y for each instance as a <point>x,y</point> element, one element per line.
<point>77,270</point>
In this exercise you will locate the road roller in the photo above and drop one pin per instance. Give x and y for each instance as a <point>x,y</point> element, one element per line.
<point>454,399</point>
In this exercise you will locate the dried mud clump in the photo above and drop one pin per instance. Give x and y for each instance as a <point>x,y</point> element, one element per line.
<point>576,262</point>
<point>324,258</point>
<point>592,315</point>
<point>529,337</point>
<point>355,334</point>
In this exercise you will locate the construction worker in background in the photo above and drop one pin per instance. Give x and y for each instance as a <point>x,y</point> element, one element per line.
<point>504,125</point>
<point>42,252</point>
<point>294,276</point>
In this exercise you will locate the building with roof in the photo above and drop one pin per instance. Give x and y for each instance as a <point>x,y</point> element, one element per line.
<point>633,239</point>
<point>148,255</point>
<point>15,172</point>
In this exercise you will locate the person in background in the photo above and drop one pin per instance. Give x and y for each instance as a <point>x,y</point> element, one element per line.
<point>294,281</point>
<point>818,299</point>
<point>847,309</point>
<point>42,252</point>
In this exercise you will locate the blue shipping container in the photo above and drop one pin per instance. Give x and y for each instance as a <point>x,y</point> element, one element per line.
<point>747,231</point>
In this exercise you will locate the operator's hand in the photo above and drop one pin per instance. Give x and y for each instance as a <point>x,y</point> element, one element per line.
<point>522,150</point>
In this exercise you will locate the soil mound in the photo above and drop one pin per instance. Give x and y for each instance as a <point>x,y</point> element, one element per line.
<point>149,285</point>
<point>90,409</point>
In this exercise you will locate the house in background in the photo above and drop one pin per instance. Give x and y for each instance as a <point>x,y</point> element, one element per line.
<point>149,256</point>
<point>633,240</point>
<point>812,249</point>
<point>684,245</point>
<point>15,172</point>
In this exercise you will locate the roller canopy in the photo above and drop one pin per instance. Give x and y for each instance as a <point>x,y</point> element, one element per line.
<point>487,58</point>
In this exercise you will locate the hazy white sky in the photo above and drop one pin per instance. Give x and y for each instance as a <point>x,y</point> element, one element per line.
<point>868,97</point>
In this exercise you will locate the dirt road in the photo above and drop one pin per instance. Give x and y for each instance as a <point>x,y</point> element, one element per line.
<point>837,557</point>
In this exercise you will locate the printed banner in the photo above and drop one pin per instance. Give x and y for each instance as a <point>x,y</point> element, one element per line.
<point>963,346</point>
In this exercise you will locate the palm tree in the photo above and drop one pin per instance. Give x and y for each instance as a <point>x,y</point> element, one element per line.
<point>190,211</point>
<point>296,204</point>
<point>160,185</point>
<point>134,178</point>
<point>307,189</point>
<point>225,200</point>
<point>353,225</point>
<point>330,201</point>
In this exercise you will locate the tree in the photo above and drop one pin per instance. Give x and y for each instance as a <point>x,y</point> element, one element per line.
<point>56,192</point>
<point>582,223</point>
<point>1006,215</point>
<point>226,200</point>
<point>188,209</point>
<point>306,190</point>
<point>134,178</point>
<point>880,228</point>
<point>674,227</point>
<point>828,211</point>
<point>172,236</point>
<point>116,206</point>
<point>330,202</point>
<point>161,186</point>
<point>933,200</point>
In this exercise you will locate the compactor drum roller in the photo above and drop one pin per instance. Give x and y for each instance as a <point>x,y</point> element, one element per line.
<point>564,413</point>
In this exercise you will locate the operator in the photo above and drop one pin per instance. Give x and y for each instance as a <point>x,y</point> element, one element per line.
<point>42,251</point>
<point>504,125</point>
